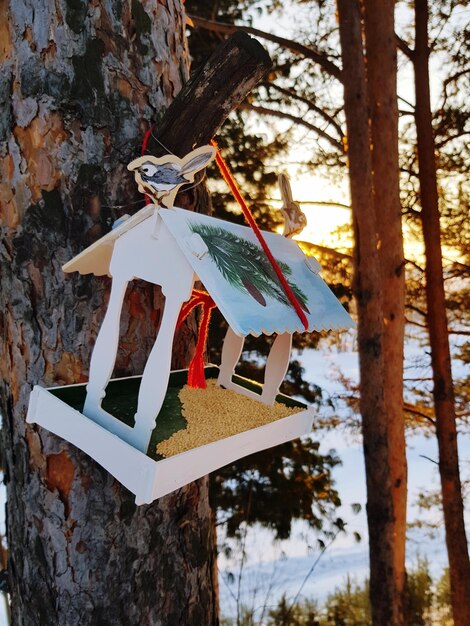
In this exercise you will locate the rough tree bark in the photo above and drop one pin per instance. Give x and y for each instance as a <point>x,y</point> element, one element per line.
<point>378,268</point>
<point>83,81</point>
<point>443,393</point>
<point>381,54</point>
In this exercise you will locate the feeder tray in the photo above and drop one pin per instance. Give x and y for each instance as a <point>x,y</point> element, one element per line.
<point>150,476</point>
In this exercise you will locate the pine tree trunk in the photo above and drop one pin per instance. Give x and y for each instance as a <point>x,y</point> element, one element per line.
<point>381,54</point>
<point>443,393</point>
<point>85,80</point>
<point>383,442</point>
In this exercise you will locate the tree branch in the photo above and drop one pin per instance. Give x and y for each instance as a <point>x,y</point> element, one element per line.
<point>300,50</point>
<point>340,205</point>
<point>414,323</point>
<point>206,100</point>
<point>414,410</point>
<point>414,264</point>
<point>453,78</point>
<point>414,308</point>
<point>326,203</point>
<point>291,94</point>
<point>404,47</point>
<point>407,102</point>
<point>288,116</point>
<point>428,458</point>
<point>309,246</point>
<point>463,333</point>
<point>446,140</point>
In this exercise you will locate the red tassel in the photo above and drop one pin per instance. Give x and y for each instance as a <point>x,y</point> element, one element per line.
<point>196,378</point>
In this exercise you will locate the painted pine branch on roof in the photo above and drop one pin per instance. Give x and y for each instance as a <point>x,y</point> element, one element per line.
<point>245,266</point>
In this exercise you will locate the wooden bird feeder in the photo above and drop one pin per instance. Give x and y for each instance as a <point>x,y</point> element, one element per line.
<point>119,422</point>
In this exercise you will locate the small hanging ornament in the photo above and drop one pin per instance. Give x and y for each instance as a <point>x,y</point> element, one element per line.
<point>162,430</point>
<point>162,178</point>
<point>294,219</point>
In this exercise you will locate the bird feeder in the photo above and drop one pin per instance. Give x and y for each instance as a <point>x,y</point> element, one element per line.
<point>119,422</point>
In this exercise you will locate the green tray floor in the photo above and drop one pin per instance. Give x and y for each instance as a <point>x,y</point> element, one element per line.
<point>121,401</point>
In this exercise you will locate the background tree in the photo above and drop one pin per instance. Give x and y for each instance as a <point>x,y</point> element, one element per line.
<point>304,87</point>
<point>378,269</point>
<point>84,84</point>
<point>443,393</point>
<point>376,192</point>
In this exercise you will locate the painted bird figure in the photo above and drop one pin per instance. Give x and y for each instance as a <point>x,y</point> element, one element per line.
<point>294,219</point>
<point>161,178</point>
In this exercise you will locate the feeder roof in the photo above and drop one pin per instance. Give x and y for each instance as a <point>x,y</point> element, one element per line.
<point>96,258</point>
<point>230,263</point>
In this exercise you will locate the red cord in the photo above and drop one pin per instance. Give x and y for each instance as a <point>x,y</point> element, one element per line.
<point>196,378</point>
<point>251,221</point>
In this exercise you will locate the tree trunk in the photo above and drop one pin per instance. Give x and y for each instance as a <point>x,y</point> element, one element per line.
<point>443,393</point>
<point>84,82</point>
<point>384,455</point>
<point>381,53</point>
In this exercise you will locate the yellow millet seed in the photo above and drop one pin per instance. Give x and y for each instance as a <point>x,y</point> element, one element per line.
<point>214,413</point>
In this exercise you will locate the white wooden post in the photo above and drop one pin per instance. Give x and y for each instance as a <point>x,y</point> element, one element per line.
<point>147,251</point>
<point>105,350</point>
<point>155,377</point>
<point>276,367</point>
<point>231,352</point>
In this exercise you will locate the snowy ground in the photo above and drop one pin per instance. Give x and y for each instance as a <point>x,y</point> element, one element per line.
<point>273,569</point>
<point>264,582</point>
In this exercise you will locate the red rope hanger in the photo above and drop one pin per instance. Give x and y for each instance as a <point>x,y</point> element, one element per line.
<point>224,170</point>
<point>196,378</point>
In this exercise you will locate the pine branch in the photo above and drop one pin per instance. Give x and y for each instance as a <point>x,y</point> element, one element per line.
<point>288,44</point>
<point>241,262</point>
<point>297,120</point>
<point>245,266</point>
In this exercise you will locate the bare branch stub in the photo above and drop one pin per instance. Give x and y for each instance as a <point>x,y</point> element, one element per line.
<point>204,103</point>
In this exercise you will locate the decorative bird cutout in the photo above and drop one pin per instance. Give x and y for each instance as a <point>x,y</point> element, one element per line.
<point>294,219</point>
<point>162,178</point>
